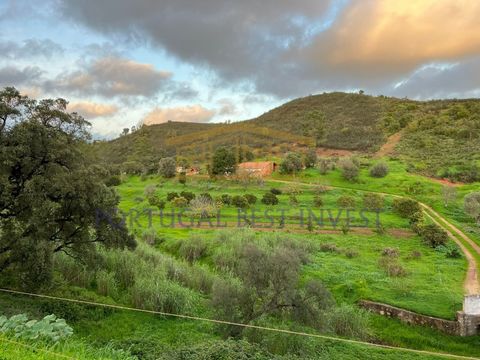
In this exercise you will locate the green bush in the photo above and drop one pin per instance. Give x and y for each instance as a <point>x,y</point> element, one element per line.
<point>433,235</point>
<point>373,201</point>
<point>189,196</point>
<point>346,202</point>
<point>251,199</point>
<point>276,191</point>
<point>379,170</point>
<point>291,164</point>
<point>406,208</point>
<point>350,170</point>
<point>172,195</point>
<point>240,202</point>
<point>269,199</point>
<point>226,199</point>
<point>113,181</point>
<point>318,201</point>
<point>180,202</point>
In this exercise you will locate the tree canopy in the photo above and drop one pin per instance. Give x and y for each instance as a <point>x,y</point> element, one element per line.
<point>51,198</point>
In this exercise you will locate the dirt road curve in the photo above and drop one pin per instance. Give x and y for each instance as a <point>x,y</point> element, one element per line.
<point>471,284</point>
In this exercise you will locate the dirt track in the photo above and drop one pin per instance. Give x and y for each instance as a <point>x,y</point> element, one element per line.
<point>471,284</point>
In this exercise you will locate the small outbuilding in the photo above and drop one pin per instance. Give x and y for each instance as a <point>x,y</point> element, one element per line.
<point>259,169</point>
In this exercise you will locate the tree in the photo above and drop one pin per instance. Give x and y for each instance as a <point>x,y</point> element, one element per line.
<point>449,194</point>
<point>167,167</point>
<point>182,178</point>
<point>269,199</point>
<point>52,199</point>
<point>310,159</point>
<point>379,170</point>
<point>314,125</point>
<point>291,163</point>
<point>269,286</point>
<point>471,206</point>
<point>125,132</point>
<point>223,162</point>
<point>349,169</point>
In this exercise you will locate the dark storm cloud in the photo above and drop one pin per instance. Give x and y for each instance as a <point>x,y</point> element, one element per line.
<point>284,47</point>
<point>237,39</point>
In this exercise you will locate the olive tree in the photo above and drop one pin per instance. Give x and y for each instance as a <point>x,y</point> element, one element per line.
<point>471,206</point>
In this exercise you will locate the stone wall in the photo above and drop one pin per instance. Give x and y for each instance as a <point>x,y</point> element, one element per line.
<point>409,317</point>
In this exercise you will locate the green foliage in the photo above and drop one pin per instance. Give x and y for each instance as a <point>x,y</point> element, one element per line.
<point>346,202</point>
<point>433,235</point>
<point>471,205</point>
<point>269,199</point>
<point>226,199</point>
<point>310,158</point>
<point>240,202</point>
<point>49,328</point>
<point>223,162</point>
<point>180,202</point>
<point>251,199</point>
<point>291,163</point>
<point>52,199</point>
<point>167,167</point>
<point>406,208</point>
<point>349,169</point>
<point>172,195</point>
<point>373,202</point>
<point>188,195</point>
<point>113,181</point>
<point>182,178</point>
<point>276,191</point>
<point>318,201</point>
<point>379,170</point>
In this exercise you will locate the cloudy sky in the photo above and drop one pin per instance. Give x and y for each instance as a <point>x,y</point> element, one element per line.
<point>121,62</point>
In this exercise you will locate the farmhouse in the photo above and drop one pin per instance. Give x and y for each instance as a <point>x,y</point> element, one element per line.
<point>260,169</point>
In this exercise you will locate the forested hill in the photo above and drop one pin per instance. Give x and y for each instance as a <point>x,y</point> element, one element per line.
<point>439,138</point>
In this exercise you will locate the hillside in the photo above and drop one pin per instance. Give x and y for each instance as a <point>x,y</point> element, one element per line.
<point>355,122</point>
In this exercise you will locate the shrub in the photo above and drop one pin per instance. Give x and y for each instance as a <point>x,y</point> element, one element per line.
<point>373,201</point>
<point>240,202</point>
<point>471,206</point>
<point>106,284</point>
<point>180,202</point>
<point>167,167</point>
<point>414,255</point>
<point>310,158</point>
<point>275,191</point>
<point>318,201</point>
<point>351,253</point>
<point>251,199</point>
<point>450,250</point>
<point>433,235</point>
<point>113,181</point>
<point>172,195</point>
<point>346,202</point>
<point>154,200</point>
<point>207,195</point>
<point>406,208</point>
<point>189,196</point>
<point>390,252</point>
<point>226,199</point>
<point>349,169</point>
<point>349,321</point>
<point>392,267</point>
<point>329,247</point>
<point>379,170</point>
<point>292,163</point>
<point>193,249</point>
<point>269,199</point>
<point>203,207</point>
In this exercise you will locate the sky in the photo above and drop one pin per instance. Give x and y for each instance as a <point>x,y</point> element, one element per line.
<point>121,63</point>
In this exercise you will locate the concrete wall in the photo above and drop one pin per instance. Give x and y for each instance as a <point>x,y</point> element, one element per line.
<point>409,317</point>
<point>471,305</point>
<point>467,324</point>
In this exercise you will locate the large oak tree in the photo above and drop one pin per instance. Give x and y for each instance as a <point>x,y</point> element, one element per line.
<point>52,198</point>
